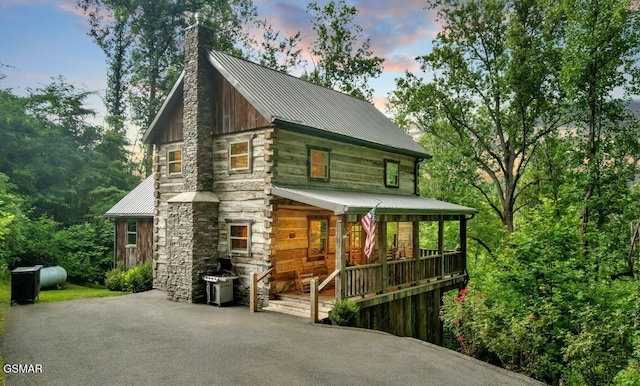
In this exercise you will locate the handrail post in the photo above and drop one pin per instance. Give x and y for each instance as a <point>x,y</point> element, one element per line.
<point>382,242</point>
<point>253,298</point>
<point>441,245</point>
<point>314,300</point>
<point>416,252</point>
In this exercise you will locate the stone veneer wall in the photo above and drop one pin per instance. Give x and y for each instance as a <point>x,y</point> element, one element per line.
<point>188,262</point>
<point>191,224</point>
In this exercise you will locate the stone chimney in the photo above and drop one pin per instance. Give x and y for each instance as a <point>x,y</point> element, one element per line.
<point>192,223</point>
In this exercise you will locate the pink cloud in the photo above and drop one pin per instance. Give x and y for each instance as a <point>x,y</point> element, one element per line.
<point>401,63</point>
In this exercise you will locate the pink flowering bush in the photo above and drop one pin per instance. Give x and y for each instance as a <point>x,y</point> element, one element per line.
<point>466,316</point>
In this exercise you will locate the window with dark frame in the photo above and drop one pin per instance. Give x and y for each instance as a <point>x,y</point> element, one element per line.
<point>132,232</point>
<point>318,164</point>
<point>174,162</point>
<point>318,238</point>
<point>239,156</point>
<point>391,173</point>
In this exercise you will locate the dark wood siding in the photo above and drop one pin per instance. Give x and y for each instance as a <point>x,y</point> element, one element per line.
<point>416,316</point>
<point>131,256</point>
<point>232,112</point>
<point>172,129</point>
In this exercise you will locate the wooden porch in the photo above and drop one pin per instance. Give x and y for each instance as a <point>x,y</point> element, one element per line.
<point>420,253</point>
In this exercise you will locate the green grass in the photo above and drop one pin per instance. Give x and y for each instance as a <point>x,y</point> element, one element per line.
<point>67,292</point>
<point>73,292</point>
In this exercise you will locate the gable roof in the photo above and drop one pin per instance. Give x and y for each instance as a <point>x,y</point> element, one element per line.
<point>298,105</point>
<point>137,203</point>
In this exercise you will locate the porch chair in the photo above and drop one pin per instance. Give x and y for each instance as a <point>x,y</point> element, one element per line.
<point>304,278</point>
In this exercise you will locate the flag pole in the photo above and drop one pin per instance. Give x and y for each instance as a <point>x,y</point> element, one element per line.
<point>359,221</point>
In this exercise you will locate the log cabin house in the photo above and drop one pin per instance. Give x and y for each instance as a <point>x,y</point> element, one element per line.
<point>133,219</point>
<point>277,172</point>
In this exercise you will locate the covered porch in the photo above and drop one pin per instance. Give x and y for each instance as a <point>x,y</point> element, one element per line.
<point>420,253</point>
<point>420,242</point>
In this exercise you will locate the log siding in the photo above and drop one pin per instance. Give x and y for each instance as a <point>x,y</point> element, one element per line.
<point>352,167</point>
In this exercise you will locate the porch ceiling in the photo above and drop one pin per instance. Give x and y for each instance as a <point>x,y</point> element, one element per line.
<point>361,202</point>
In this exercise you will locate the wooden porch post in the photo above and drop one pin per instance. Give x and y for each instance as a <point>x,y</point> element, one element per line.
<point>463,241</point>
<point>341,263</point>
<point>382,242</point>
<point>416,252</point>
<point>253,299</point>
<point>441,245</point>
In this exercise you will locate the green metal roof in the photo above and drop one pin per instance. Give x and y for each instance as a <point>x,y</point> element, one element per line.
<point>361,202</point>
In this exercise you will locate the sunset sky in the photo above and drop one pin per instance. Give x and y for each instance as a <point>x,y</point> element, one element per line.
<point>48,38</point>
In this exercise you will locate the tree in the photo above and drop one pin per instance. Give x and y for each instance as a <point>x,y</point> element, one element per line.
<point>278,52</point>
<point>600,73</point>
<point>338,62</point>
<point>113,34</point>
<point>494,94</point>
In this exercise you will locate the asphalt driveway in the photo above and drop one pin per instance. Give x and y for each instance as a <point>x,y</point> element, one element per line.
<point>144,339</point>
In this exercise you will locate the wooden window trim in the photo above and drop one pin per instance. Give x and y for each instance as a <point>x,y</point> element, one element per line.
<point>311,149</point>
<point>387,162</point>
<point>131,233</point>
<point>317,256</point>
<point>169,162</point>
<point>249,154</point>
<point>238,222</point>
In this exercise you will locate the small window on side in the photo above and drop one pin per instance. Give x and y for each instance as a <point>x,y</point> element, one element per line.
<point>174,162</point>
<point>391,173</point>
<point>132,232</point>
<point>239,237</point>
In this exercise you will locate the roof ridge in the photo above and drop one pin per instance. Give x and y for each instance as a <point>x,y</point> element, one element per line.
<point>293,76</point>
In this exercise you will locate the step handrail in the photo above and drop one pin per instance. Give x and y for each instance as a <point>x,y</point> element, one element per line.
<point>328,279</point>
<point>315,290</point>
<point>253,288</point>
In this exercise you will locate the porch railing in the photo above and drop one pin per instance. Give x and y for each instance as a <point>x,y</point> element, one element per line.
<point>366,279</point>
<point>363,279</point>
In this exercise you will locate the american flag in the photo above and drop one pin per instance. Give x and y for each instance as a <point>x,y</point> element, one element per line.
<point>369,226</point>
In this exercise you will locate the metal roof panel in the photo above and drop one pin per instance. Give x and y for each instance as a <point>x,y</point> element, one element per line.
<point>341,202</point>
<point>137,203</point>
<point>279,96</point>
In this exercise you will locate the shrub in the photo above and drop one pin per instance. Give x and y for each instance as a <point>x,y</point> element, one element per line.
<point>139,278</point>
<point>344,313</point>
<point>114,279</point>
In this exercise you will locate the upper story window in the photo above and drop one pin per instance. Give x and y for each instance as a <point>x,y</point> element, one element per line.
<point>132,232</point>
<point>239,156</point>
<point>239,236</point>
<point>318,164</point>
<point>391,173</point>
<point>174,162</point>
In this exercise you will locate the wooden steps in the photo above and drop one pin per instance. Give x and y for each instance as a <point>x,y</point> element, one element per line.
<point>297,307</point>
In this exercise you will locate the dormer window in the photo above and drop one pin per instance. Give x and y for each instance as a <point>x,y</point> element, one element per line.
<point>318,164</point>
<point>174,162</point>
<point>391,173</point>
